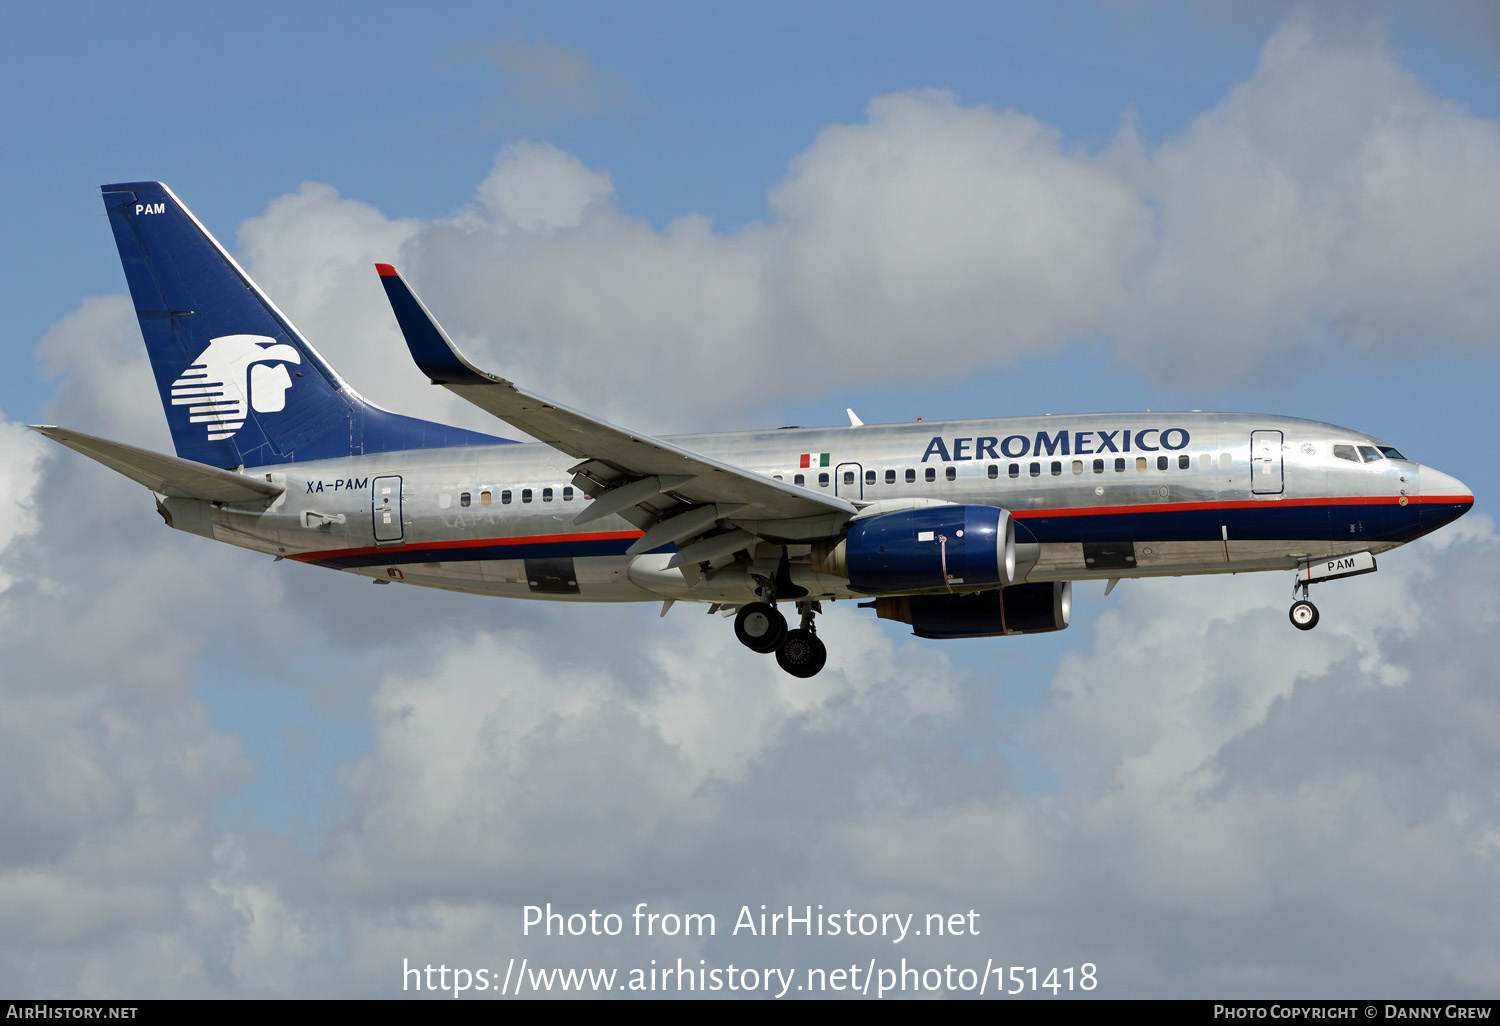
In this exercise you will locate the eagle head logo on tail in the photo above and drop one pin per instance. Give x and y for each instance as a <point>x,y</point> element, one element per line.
<point>233,373</point>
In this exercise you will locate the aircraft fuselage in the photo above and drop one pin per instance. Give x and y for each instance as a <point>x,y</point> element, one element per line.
<point>1094,496</point>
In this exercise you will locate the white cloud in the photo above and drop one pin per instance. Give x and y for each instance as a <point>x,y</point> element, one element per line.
<point>1330,197</point>
<point>536,187</point>
<point>107,382</point>
<point>1329,201</point>
<point>20,456</point>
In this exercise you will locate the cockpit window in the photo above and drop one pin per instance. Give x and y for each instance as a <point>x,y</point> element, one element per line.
<point>1391,453</point>
<point>1370,453</point>
<point>1346,452</point>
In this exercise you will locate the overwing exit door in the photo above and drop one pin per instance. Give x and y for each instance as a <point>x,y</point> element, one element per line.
<point>848,481</point>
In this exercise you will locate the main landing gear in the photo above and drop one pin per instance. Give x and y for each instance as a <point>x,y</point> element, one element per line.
<point>761,628</point>
<point>1303,614</point>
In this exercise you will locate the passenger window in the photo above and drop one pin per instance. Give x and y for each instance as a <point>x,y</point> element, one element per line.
<point>444,500</point>
<point>1370,453</point>
<point>1036,470</point>
<point>1206,461</point>
<point>1119,464</point>
<point>485,497</point>
<point>848,477</point>
<point>1184,462</point>
<point>931,474</point>
<point>1161,463</point>
<point>568,492</point>
<point>823,480</point>
<point>546,494</point>
<point>1098,466</point>
<point>463,498</point>
<point>1140,463</point>
<point>505,497</point>
<point>525,494</point>
<point>952,473</point>
<point>911,476</point>
<point>994,471</point>
<point>799,479</point>
<point>890,477</point>
<point>1015,470</point>
<point>1226,461</point>
<point>1078,466</point>
<point>869,477</point>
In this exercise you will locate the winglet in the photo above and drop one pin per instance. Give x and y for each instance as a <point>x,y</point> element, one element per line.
<point>430,346</point>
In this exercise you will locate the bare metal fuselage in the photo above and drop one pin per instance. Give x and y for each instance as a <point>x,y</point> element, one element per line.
<point>1094,496</point>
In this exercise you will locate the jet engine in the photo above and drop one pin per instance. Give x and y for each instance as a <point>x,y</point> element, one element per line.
<point>927,548</point>
<point>1019,609</point>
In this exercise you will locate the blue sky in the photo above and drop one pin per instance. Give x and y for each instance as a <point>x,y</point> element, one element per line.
<point>716,217</point>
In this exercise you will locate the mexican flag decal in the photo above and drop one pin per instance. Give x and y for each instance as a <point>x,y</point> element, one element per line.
<point>815,459</point>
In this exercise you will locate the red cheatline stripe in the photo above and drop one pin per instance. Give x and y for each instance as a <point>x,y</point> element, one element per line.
<point>1022,514</point>
<point>1170,507</point>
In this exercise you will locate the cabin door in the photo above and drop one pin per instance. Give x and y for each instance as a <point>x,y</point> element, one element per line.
<point>385,510</point>
<point>1266,475</point>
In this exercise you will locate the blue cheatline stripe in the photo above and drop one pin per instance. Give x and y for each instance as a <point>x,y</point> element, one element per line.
<point>541,548</point>
<point>1376,520</point>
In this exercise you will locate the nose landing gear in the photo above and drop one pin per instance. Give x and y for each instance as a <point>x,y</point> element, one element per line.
<point>1303,614</point>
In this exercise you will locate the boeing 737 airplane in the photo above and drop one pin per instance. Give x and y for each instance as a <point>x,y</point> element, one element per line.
<point>962,529</point>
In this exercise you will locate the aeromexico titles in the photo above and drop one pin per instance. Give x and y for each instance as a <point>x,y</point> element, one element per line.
<point>960,529</point>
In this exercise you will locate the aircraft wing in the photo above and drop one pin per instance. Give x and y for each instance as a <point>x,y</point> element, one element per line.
<point>167,475</point>
<point>623,470</point>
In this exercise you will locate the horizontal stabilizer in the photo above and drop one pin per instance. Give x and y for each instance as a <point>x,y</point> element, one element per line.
<point>167,475</point>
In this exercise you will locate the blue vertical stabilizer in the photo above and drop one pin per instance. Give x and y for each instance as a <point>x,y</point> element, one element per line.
<point>240,385</point>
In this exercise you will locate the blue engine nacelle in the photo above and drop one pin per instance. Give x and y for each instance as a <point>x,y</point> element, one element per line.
<point>1019,609</point>
<point>923,549</point>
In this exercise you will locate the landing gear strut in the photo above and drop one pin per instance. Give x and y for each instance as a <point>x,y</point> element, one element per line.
<point>802,654</point>
<point>1303,614</point>
<point>760,627</point>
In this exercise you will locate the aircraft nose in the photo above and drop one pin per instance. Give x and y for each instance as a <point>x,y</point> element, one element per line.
<point>1444,498</point>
